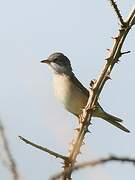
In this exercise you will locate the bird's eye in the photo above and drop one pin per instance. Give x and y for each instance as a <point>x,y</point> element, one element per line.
<point>58,61</point>
<point>55,60</point>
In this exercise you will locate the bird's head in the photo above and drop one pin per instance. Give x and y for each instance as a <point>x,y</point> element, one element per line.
<point>59,63</point>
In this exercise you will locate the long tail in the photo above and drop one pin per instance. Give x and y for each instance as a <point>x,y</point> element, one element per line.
<point>114,120</point>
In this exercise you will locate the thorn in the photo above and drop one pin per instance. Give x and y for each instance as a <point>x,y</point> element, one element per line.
<point>93,81</point>
<point>72,143</point>
<point>90,123</point>
<point>126,52</point>
<point>114,38</point>
<point>77,129</point>
<point>108,50</point>
<point>118,61</point>
<point>62,163</point>
<point>87,131</point>
<point>108,77</point>
<point>83,143</point>
<point>121,30</point>
<point>107,59</point>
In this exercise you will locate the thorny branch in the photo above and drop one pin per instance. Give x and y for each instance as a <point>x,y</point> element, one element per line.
<point>113,57</point>
<point>117,11</point>
<point>12,165</point>
<point>95,163</point>
<point>44,149</point>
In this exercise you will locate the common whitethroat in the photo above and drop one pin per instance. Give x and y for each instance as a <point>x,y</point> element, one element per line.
<point>71,93</point>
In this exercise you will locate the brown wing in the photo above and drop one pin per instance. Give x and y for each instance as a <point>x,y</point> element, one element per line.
<point>82,88</point>
<point>79,85</point>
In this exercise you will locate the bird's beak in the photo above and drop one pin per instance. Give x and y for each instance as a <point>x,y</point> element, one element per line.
<point>45,61</point>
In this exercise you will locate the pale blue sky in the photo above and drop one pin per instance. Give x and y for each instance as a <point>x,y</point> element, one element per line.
<point>30,31</point>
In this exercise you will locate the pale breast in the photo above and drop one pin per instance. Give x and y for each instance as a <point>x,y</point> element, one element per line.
<point>73,99</point>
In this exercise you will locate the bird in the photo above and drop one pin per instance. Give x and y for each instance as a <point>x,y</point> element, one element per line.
<point>71,93</point>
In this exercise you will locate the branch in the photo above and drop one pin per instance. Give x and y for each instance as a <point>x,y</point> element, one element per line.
<point>12,165</point>
<point>95,90</point>
<point>131,17</point>
<point>44,149</point>
<point>95,163</point>
<point>117,11</point>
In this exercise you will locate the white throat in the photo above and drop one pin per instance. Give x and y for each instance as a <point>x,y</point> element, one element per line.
<point>61,69</point>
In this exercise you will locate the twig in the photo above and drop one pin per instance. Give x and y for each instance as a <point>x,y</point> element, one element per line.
<point>117,11</point>
<point>95,90</point>
<point>44,149</point>
<point>131,17</point>
<point>94,163</point>
<point>125,52</point>
<point>12,165</point>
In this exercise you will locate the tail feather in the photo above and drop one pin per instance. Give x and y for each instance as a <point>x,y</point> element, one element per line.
<point>114,120</point>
